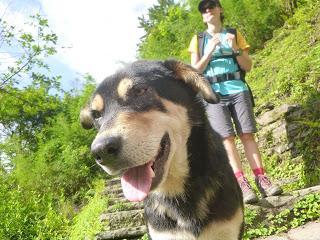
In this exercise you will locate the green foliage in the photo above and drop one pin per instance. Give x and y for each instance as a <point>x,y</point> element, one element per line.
<point>289,64</point>
<point>28,214</point>
<point>168,35</point>
<point>59,157</point>
<point>307,209</point>
<point>287,71</point>
<point>45,161</point>
<point>156,14</point>
<point>48,176</point>
<point>144,237</point>
<point>34,45</point>
<point>86,224</point>
<point>261,18</point>
<point>250,217</point>
<point>25,102</point>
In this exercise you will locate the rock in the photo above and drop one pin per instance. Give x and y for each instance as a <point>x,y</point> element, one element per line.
<point>122,233</point>
<point>273,238</point>
<point>310,231</point>
<point>275,114</point>
<point>275,201</point>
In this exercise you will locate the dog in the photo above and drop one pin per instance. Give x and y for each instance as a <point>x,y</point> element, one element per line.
<point>154,132</point>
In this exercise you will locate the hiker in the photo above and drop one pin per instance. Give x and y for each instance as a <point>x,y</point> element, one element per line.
<point>222,55</point>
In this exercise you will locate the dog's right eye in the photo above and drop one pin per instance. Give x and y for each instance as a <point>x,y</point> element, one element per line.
<point>96,114</point>
<point>140,90</point>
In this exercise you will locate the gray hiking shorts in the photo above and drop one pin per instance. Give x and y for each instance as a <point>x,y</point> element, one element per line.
<point>232,110</point>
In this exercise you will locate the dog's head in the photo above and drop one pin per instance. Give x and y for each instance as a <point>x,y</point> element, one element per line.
<point>142,114</point>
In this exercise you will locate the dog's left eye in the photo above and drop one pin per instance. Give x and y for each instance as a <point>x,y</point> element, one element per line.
<point>140,91</point>
<point>96,114</point>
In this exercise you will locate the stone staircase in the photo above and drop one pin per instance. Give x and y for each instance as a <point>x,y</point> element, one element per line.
<point>122,219</point>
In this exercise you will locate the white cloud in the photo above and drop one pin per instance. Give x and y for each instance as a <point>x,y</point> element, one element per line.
<point>101,33</point>
<point>98,34</point>
<point>6,60</point>
<point>12,13</point>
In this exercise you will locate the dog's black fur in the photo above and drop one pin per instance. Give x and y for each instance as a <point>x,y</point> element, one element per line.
<point>193,194</point>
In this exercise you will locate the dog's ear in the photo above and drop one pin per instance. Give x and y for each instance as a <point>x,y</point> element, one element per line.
<point>86,119</point>
<point>193,78</point>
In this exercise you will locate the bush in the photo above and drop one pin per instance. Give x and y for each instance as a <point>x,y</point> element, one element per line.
<point>86,224</point>
<point>28,215</point>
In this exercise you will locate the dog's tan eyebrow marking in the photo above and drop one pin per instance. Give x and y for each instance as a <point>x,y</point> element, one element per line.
<point>97,103</point>
<point>123,87</point>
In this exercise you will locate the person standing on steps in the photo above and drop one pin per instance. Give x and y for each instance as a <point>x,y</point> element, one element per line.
<point>223,58</point>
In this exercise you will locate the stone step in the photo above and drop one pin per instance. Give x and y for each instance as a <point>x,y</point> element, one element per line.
<point>116,200</point>
<point>113,191</point>
<point>114,194</point>
<point>125,206</point>
<point>128,219</point>
<point>113,182</point>
<point>123,233</point>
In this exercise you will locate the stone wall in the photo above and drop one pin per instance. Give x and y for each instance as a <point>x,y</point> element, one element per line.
<point>278,130</point>
<point>284,134</point>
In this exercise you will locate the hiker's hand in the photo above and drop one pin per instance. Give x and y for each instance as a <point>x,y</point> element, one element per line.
<point>231,40</point>
<point>213,43</point>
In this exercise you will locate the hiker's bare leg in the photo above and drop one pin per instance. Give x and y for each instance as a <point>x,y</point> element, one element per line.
<point>251,150</point>
<point>232,152</point>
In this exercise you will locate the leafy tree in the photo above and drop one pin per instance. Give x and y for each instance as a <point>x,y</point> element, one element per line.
<point>24,88</point>
<point>50,163</point>
<point>156,14</point>
<point>256,19</point>
<point>167,39</point>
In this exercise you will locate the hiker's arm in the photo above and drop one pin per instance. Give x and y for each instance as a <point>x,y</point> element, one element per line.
<point>244,61</point>
<point>198,63</point>
<point>202,63</point>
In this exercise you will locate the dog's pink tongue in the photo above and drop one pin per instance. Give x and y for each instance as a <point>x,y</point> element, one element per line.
<point>136,182</point>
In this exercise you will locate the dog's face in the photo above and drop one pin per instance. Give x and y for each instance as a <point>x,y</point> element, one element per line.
<point>142,117</point>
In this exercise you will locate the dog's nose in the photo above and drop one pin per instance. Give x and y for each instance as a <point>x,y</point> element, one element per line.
<point>103,147</point>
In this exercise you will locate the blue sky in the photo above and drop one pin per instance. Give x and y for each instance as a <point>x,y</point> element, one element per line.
<point>97,35</point>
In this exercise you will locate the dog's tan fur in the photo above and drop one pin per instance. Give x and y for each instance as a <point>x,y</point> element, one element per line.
<point>123,87</point>
<point>97,103</point>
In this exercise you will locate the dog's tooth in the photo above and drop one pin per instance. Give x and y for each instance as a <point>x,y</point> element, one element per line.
<point>152,173</point>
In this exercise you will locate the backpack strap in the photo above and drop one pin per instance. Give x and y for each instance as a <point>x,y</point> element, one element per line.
<point>242,72</point>
<point>234,32</point>
<point>201,40</point>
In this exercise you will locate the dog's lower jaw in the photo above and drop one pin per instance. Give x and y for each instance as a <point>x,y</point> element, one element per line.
<point>174,178</point>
